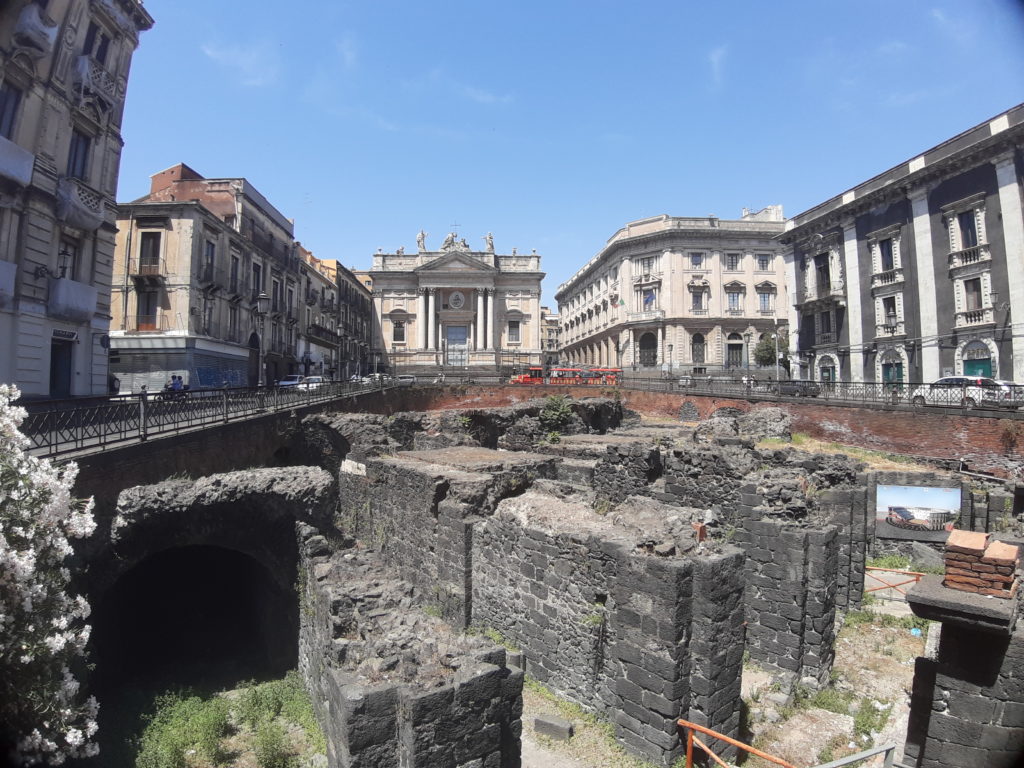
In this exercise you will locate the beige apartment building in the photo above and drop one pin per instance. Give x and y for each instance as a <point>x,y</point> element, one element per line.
<point>456,307</point>
<point>63,77</point>
<point>211,285</point>
<point>680,295</point>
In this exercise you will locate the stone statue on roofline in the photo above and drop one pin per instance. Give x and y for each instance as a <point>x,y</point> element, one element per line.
<point>489,239</point>
<point>449,241</point>
<point>421,241</point>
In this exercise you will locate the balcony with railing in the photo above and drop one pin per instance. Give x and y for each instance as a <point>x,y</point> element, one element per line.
<point>323,335</point>
<point>974,317</point>
<point>968,256</point>
<point>817,291</point>
<point>640,317</point>
<point>766,312</point>
<point>891,327</point>
<point>825,337</point>
<point>888,277</point>
<point>147,266</point>
<point>734,311</point>
<point>699,311</point>
<point>160,322</point>
<point>92,80</point>
<point>79,205</point>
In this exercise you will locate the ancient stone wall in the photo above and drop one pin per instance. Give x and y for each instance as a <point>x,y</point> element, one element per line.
<point>390,684</point>
<point>645,638</point>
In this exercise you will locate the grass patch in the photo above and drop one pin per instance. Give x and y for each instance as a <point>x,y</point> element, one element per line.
<point>859,618</point>
<point>180,724</point>
<point>874,459</point>
<point>494,636</point>
<point>186,730</point>
<point>896,562</point>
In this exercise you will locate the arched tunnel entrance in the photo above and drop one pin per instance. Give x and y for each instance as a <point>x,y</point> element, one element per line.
<point>192,618</point>
<point>194,615</point>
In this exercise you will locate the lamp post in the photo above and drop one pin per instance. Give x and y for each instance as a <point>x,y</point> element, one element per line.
<point>262,306</point>
<point>746,339</point>
<point>776,337</point>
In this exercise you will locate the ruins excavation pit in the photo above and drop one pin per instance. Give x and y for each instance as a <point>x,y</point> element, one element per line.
<point>581,552</point>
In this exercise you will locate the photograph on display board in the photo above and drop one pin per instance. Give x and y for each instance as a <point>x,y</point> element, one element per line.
<point>917,508</point>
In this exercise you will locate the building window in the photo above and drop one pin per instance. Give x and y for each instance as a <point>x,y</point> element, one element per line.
<point>698,300</point>
<point>696,260</point>
<point>825,327</point>
<point>233,323</point>
<point>732,262</point>
<point>97,44</point>
<point>967,229</point>
<point>764,262</point>
<point>650,299</point>
<point>275,296</point>
<point>68,259</point>
<point>889,310</point>
<point>735,301</point>
<point>257,280</point>
<point>10,98</point>
<point>885,255</point>
<point>398,331</point>
<point>236,264</point>
<point>972,293</point>
<point>513,331</point>
<point>149,253</point>
<point>764,301</point>
<point>824,274</point>
<point>78,155</point>
<point>647,265</point>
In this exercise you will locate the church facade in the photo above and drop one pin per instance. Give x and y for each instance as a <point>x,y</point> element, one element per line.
<point>456,307</point>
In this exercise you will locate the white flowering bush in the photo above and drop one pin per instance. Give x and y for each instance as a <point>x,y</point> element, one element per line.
<point>42,626</point>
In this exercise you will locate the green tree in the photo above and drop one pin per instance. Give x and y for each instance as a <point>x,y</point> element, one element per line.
<point>764,352</point>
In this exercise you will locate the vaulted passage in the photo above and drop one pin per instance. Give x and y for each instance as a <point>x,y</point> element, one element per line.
<point>194,616</point>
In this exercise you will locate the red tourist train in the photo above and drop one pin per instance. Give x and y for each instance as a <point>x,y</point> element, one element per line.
<point>575,376</point>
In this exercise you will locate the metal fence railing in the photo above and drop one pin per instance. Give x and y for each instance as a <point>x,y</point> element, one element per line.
<point>57,427</point>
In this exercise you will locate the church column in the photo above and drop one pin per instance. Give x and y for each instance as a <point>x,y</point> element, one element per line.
<point>492,338</point>
<point>431,319</point>
<point>481,341</point>
<point>421,319</point>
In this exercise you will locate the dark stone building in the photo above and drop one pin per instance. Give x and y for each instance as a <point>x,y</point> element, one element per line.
<point>913,274</point>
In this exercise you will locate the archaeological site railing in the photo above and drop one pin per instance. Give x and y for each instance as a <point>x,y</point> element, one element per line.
<point>688,734</point>
<point>58,427</point>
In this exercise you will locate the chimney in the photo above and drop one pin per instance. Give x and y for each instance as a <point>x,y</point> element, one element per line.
<point>164,179</point>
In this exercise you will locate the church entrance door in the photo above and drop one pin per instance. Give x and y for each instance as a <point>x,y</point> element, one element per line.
<point>456,344</point>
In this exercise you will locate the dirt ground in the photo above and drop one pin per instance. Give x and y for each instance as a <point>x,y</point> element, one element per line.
<point>874,668</point>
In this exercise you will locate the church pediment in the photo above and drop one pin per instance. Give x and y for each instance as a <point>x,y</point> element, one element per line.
<point>456,262</point>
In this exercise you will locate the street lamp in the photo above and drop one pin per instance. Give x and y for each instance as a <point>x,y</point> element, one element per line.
<point>746,338</point>
<point>776,336</point>
<point>262,307</point>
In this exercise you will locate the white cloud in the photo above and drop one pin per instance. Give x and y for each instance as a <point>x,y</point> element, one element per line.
<point>257,64</point>
<point>349,52</point>
<point>957,29</point>
<point>716,60</point>
<point>482,96</point>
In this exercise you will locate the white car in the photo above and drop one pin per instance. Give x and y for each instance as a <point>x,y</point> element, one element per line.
<point>292,380</point>
<point>311,382</point>
<point>962,392</point>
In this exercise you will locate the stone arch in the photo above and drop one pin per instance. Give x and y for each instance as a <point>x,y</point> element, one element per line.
<point>698,349</point>
<point>827,368</point>
<point>734,350</point>
<point>892,365</point>
<point>648,347</point>
<point>977,357</point>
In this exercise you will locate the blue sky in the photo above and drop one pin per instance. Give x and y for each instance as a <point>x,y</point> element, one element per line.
<point>552,124</point>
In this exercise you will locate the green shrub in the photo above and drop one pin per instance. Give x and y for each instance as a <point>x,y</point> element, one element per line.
<point>897,562</point>
<point>556,413</point>
<point>181,723</point>
<point>869,718</point>
<point>272,749</point>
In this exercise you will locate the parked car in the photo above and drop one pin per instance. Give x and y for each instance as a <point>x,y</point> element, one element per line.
<point>291,380</point>
<point>795,387</point>
<point>963,392</point>
<point>1013,393</point>
<point>405,380</point>
<point>311,382</point>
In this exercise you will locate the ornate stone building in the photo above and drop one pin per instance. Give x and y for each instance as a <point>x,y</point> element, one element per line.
<point>913,274</point>
<point>456,307</point>
<point>63,77</point>
<point>690,295</point>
